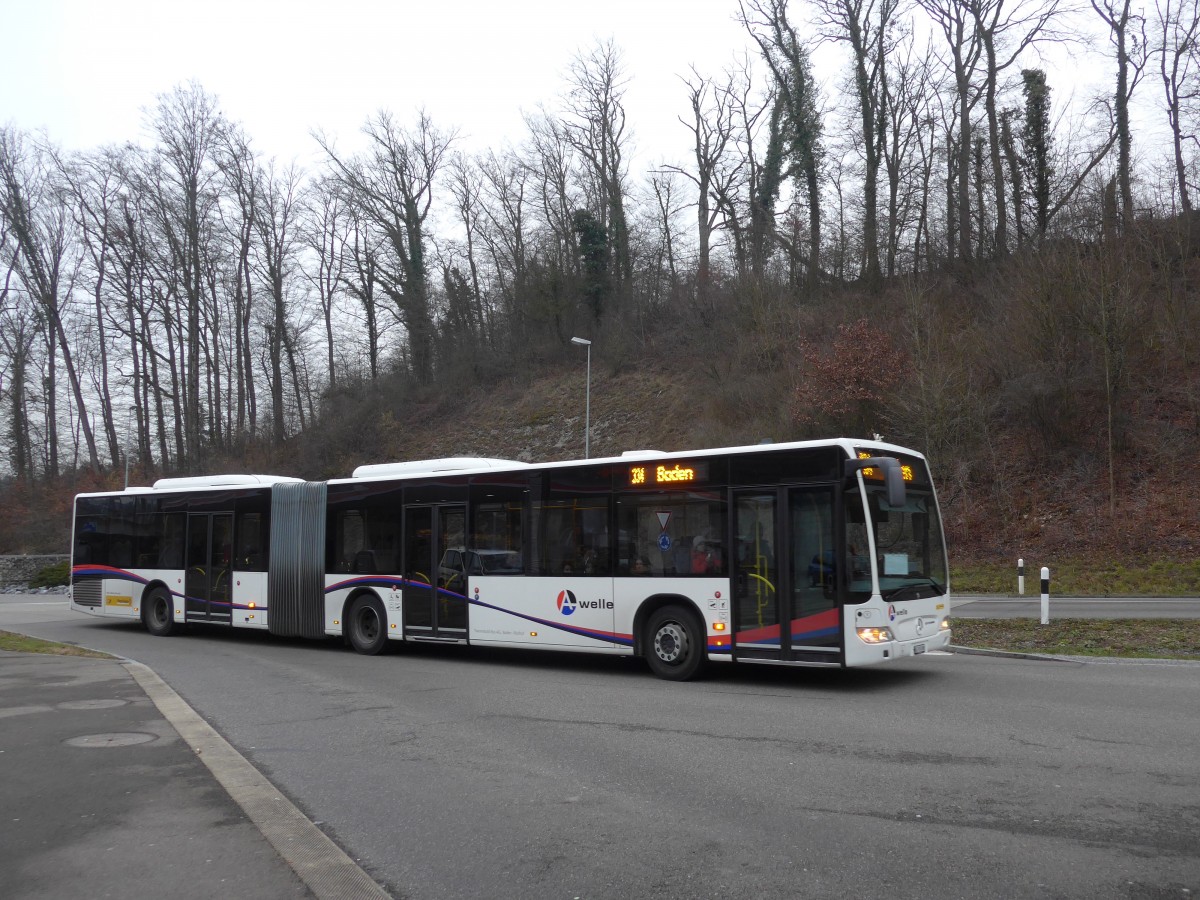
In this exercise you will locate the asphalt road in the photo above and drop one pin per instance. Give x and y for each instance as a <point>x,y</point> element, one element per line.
<point>465,773</point>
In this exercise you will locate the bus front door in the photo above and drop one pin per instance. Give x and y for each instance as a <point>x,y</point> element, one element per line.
<point>756,590</point>
<point>785,593</point>
<point>208,575</point>
<point>435,598</point>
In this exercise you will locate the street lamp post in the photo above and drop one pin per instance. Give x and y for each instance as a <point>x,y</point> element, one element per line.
<point>128,416</point>
<point>587,420</point>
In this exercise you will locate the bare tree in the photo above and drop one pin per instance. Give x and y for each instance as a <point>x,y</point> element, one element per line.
<point>188,125</point>
<point>799,120</point>
<point>325,233</point>
<point>361,276</point>
<point>243,180</point>
<point>133,283</point>
<point>1016,174</point>
<point>393,185</point>
<point>1128,36</point>
<point>594,125</point>
<point>739,189</point>
<point>866,26</point>
<point>94,184</point>
<point>18,334</point>
<point>278,242</point>
<point>1006,30</point>
<point>466,186</point>
<point>908,157</point>
<point>955,21</point>
<point>712,128</point>
<point>506,187</point>
<point>39,218</point>
<point>551,159</point>
<point>554,258</point>
<point>1177,36</point>
<point>663,269</point>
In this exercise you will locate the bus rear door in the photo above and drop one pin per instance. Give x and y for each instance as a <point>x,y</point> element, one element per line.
<point>208,576</point>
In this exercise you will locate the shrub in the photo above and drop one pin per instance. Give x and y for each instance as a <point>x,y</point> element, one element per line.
<point>52,576</point>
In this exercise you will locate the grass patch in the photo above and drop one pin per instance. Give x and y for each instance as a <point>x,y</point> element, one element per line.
<point>1083,577</point>
<point>1143,638</point>
<point>19,643</point>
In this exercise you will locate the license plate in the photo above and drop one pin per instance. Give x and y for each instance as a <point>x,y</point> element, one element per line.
<point>918,648</point>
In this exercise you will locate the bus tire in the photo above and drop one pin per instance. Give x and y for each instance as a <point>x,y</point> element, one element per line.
<point>366,625</point>
<point>158,613</point>
<point>674,644</point>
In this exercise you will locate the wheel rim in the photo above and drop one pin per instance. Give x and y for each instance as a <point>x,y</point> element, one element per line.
<point>368,624</point>
<point>671,643</point>
<point>160,612</point>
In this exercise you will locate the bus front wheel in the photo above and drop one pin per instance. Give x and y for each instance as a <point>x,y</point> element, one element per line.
<point>366,626</point>
<point>158,613</point>
<point>674,645</point>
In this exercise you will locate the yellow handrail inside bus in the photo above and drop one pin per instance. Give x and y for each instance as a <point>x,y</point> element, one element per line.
<point>761,597</point>
<point>770,586</point>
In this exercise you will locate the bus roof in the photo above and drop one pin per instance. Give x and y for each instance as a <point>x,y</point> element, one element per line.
<point>430,466</point>
<point>466,465</point>
<point>199,482</point>
<point>231,480</point>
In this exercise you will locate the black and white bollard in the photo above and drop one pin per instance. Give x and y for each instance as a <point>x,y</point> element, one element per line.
<point>1045,596</point>
<point>1021,577</point>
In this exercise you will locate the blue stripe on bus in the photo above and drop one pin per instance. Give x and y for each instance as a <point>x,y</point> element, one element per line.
<point>388,581</point>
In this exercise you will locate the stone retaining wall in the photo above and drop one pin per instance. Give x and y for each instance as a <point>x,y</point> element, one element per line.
<point>20,569</point>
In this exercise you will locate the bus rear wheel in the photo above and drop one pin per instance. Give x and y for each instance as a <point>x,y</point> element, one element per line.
<point>366,626</point>
<point>158,613</point>
<point>673,644</point>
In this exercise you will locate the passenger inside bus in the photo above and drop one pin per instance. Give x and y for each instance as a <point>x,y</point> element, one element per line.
<point>706,556</point>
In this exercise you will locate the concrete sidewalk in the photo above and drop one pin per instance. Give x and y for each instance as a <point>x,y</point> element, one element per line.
<point>111,786</point>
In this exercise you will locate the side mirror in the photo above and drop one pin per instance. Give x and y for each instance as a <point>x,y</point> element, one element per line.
<point>893,476</point>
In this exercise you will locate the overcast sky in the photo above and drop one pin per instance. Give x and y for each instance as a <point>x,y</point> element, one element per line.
<point>85,69</point>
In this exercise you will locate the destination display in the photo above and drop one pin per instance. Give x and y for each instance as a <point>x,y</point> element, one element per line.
<point>668,474</point>
<point>906,468</point>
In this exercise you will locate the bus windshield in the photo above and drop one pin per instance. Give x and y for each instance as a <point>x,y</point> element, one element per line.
<point>910,556</point>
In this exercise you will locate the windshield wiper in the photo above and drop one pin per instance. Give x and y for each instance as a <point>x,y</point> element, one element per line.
<point>915,589</point>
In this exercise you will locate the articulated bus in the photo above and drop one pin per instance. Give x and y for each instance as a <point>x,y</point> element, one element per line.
<point>816,553</point>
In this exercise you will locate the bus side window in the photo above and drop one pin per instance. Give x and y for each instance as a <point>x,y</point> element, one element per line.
<point>672,533</point>
<point>249,556</point>
<point>170,554</point>
<point>576,536</point>
<point>496,537</point>
<point>91,545</point>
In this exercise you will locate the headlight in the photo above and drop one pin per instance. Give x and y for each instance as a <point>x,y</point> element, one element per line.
<point>945,624</point>
<point>875,635</point>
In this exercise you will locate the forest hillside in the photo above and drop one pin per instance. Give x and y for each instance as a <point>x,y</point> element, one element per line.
<point>1056,393</point>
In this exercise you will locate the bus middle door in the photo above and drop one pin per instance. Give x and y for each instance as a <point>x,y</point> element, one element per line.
<point>435,599</point>
<point>207,580</point>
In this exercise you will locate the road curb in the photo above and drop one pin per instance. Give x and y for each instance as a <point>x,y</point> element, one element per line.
<point>1082,660</point>
<point>1009,654</point>
<point>323,866</point>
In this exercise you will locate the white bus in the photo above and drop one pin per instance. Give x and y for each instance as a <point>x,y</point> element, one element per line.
<point>816,553</point>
